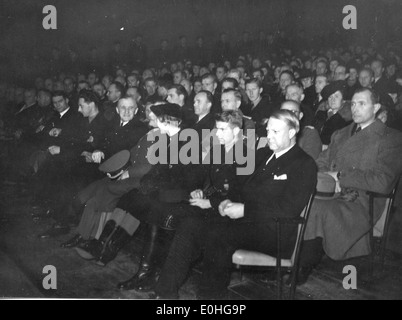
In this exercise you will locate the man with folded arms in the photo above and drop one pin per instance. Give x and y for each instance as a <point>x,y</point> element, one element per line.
<point>364,156</point>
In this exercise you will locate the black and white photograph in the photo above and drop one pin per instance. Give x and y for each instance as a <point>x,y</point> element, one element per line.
<point>201,150</point>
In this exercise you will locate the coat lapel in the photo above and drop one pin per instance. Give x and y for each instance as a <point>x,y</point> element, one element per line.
<point>361,140</point>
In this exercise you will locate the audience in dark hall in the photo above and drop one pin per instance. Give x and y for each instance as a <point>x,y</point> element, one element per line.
<point>79,136</point>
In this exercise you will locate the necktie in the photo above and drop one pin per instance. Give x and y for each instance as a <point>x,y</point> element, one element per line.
<point>356,129</point>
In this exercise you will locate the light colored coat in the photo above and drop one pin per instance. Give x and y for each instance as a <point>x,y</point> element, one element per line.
<point>371,160</point>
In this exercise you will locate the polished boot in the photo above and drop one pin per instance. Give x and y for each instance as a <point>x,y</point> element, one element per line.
<point>146,276</point>
<point>73,242</point>
<point>92,249</point>
<point>118,240</point>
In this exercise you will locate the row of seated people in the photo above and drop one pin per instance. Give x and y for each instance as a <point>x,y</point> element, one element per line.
<point>258,98</point>
<point>65,149</point>
<point>225,211</point>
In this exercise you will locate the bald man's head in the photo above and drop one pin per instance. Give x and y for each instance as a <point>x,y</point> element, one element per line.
<point>293,107</point>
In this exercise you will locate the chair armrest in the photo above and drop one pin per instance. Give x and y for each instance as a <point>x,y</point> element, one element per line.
<point>379,195</point>
<point>295,220</point>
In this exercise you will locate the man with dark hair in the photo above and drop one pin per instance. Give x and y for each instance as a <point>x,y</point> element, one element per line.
<point>69,89</point>
<point>364,156</point>
<point>221,72</point>
<point>231,100</point>
<point>259,108</point>
<point>210,83</point>
<point>114,93</point>
<point>58,137</point>
<point>100,90</point>
<point>151,87</point>
<point>177,94</point>
<point>202,109</point>
<point>380,83</point>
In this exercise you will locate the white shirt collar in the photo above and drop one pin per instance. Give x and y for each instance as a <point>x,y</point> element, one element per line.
<point>63,113</point>
<point>280,153</point>
<point>201,117</point>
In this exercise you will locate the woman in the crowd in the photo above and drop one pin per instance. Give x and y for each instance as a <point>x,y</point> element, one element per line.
<point>336,113</point>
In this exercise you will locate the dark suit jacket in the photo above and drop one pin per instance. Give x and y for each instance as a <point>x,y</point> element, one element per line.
<point>123,138</point>
<point>381,86</point>
<point>265,196</point>
<point>263,110</point>
<point>69,125</point>
<point>26,119</point>
<point>208,122</point>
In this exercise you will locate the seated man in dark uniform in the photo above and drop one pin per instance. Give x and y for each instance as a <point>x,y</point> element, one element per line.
<point>102,196</point>
<point>221,182</point>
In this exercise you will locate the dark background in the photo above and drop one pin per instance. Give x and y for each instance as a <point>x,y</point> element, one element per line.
<point>83,24</point>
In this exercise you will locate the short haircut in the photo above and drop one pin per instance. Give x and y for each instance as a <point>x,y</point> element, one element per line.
<point>68,78</point>
<point>60,93</point>
<point>164,83</point>
<point>290,73</point>
<point>150,79</point>
<point>369,70</point>
<point>233,117</point>
<point>378,60</point>
<point>46,92</point>
<point>210,97</point>
<point>31,90</point>
<point>180,90</point>
<point>323,76</point>
<point>374,96</point>
<point>256,81</point>
<point>197,79</point>
<point>296,84</point>
<point>119,87</point>
<point>235,70</point>
<point>127,98</point>
<point>295,103</point>
<point>209,76</point>
<point>89,96</point>
<point>258,70</point>
<point>341,66</point>
<point>100,84</point>
<point>222,66</point>
<point>288,117</point>
<point>182,73</point>
<point>233,81</point>
<point>235,92</point>
<point>84,82</point>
